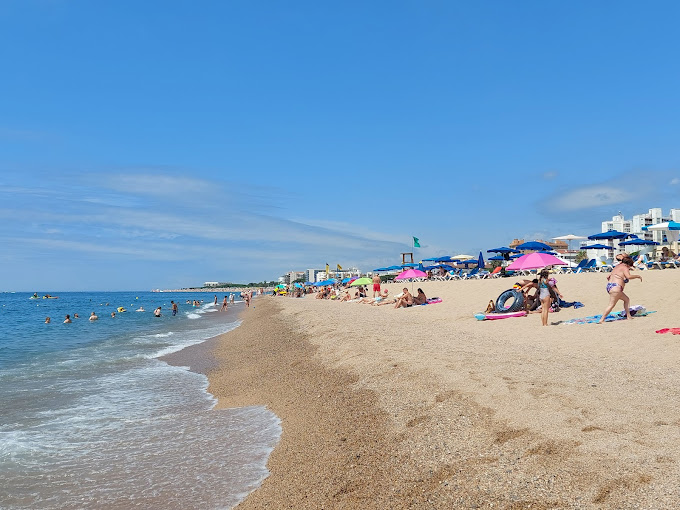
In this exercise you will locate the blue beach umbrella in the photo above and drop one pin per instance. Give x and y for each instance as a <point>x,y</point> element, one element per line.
<point>393,268</point>
<point>467,262</point>
<point>431,259</point>
<point>299,285</point>
<point>596,247</point>
<point>638,242</point>
<point>445,266</point>
<point>516,256</point>
<point>445,258</point>
<point>347,280</point>
<point>611,234</point>
<point>533,245</point>
<point>497,257</point>
<point>410,264</point>
<point>502,249</point>
<point>382,269</point>
<point>480,261</point>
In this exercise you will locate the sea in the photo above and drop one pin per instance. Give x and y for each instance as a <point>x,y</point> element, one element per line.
<point>92,414</point>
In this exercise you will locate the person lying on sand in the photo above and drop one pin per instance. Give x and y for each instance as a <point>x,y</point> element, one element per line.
<point>369,301</point>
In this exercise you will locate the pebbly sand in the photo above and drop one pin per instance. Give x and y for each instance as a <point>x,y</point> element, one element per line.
<point>427,407</point>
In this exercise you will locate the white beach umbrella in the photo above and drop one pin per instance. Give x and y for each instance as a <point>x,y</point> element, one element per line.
<point>569,238</point>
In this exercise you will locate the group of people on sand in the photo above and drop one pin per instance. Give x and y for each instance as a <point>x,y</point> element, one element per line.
<point>547,295</point>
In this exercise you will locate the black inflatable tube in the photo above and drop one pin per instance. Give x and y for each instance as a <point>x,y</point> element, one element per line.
<point>517,304</point>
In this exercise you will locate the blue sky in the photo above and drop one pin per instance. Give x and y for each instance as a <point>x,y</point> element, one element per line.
<point>163,144</point>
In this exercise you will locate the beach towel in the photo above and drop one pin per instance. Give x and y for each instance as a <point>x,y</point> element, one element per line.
<point>432,301</point>
<point>675,331</point>
<point>619,316</point>
<point>568,304</point>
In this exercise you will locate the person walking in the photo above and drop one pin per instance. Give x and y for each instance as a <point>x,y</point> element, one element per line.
<point>617,281</point>
<point>224,305</point>
<point>175,309</point>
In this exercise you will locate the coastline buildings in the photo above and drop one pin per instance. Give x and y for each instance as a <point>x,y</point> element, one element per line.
<point>634,226</point>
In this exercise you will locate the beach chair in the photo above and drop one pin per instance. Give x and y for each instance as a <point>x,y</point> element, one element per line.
<point>472,274</point>
<point>578,268</point>
<point>496,273</point>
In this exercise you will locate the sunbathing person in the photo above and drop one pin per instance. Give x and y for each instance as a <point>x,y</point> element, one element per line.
<point>420,298</point>
<point>369,301</point>
<point>405,300</point>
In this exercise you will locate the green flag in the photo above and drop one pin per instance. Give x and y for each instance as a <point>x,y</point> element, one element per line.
<point>416,242</point>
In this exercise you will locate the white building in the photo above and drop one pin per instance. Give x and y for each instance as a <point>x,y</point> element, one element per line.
<point>211,284</point>
<point>634,226</point>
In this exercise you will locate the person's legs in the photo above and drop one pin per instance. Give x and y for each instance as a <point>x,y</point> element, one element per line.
<point>545,308</point>
<point>626,305</point>
<point>614,296</point>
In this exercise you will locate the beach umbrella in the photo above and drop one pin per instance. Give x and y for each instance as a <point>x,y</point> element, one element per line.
<point>516,255</point>
<point>638,242</point>
<point>502,249</point>
<point>535,261</point>
<point>410,273</point>
<point>394,268</point>
<point>445,266</point>
<point>549,252</point>
<point>299,285</point>
<point>382,269</point>
<point>533,245</point>
<point>347,280</point>
<point>569,238</point>
<point>434,259</point>
<point>280,286</point>
<point>361,281</point>
<point>410,264</point>
<point>611,234</point>
<point>671,227</point>
<point>461,257</point>
<point>467,263</point>
<point>497,257</point>
<point>480,261</point>
<point>596,247</point>
<point>324,283</point>
<point>445,258</point>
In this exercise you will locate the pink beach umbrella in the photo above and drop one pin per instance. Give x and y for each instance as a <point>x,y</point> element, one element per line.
<point>410,273</point>
<point>535,260</point>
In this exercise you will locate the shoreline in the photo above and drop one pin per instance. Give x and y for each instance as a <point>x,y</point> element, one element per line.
<point>428,408</point>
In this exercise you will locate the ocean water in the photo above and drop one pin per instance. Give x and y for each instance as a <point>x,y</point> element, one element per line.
<point>90,417</point>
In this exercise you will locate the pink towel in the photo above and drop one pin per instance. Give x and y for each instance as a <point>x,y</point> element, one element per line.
<point>675,331</point>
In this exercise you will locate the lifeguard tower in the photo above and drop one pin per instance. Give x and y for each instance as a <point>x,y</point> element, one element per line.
<point>406,258</point>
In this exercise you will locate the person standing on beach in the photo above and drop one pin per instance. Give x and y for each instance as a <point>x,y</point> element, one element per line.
<point>174,308</point>
<point>247,297</point>
<point>544,295</point>
<point>618,278</point>
<point>376,285</point>
<point>215,300</point>
<point>224,305</point>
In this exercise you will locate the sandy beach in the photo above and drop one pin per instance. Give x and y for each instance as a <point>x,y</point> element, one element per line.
<point>427,407</point>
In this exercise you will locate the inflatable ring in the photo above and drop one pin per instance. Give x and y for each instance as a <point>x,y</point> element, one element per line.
<point>516,305</point>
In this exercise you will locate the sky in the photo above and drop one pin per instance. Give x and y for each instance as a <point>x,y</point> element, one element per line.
<point>162,144</point>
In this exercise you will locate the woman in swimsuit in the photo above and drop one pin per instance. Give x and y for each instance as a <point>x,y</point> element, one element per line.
<point>618,278</point>
<point>544,295</point>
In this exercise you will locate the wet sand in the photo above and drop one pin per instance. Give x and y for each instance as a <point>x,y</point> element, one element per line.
<point>427,407</point>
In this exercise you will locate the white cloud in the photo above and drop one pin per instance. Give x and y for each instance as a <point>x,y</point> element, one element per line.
<point>674,181</point>
<point>591,196</point>
<point>550,175</point>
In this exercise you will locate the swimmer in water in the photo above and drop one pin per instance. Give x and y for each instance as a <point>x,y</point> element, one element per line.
<point>140,309</point>
<point>113,315</point>
<point>68,319</point>
<point>93,316</point>
<point>47,320</point>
